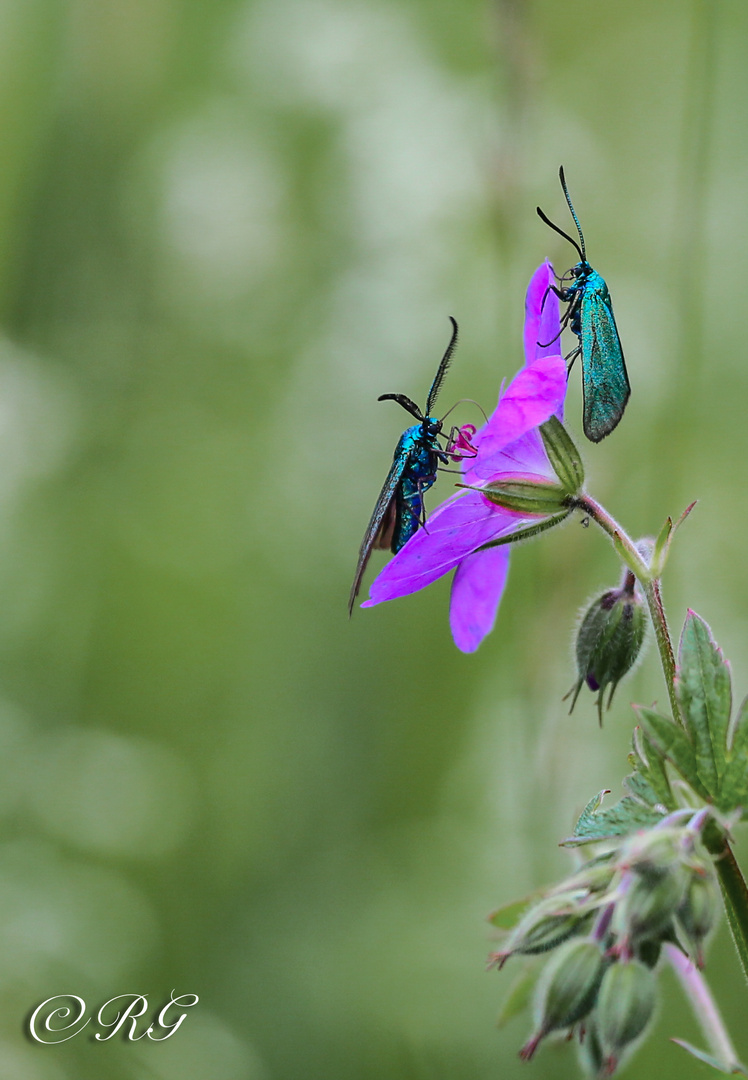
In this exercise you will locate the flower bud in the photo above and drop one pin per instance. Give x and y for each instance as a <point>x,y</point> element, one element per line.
<point>545,926</point>
<point>625,1004</point>
<point>593,877</point>
<point>652,852</point>
<point>566,989</point>
<point>698,912</point>
<point>648,906</point>
<point>609,641</point>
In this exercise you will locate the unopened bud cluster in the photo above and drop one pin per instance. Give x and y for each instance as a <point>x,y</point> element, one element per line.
<point>609,640</point>
<point>604,927</point>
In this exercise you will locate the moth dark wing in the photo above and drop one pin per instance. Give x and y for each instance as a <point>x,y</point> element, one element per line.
<point>379,523</point>
<point>386,531</point>
<point>605,382</point>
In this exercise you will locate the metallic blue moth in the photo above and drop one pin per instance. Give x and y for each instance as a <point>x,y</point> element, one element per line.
<point>605,382</point>
<point>399,509</point>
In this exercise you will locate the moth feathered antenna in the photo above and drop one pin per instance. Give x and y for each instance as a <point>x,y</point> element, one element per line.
<point>407,404</point>
<point>562,178</point>
<point>442,369</point>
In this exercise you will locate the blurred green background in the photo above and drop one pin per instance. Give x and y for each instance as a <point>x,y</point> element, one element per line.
<point>225,228</point>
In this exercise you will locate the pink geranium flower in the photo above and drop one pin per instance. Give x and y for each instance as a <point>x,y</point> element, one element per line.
<point>509,448</point>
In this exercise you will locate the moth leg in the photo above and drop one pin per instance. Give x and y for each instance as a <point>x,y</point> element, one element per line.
<point>573,302</point>
<point>571,357</point>
<point>420,516</point>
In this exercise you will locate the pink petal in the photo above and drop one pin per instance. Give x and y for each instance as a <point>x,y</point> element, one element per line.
<point>454,530</point>
<point>524,456</point>
<point>476,591</point>
<point>542,325</point>
<point>535,393</point>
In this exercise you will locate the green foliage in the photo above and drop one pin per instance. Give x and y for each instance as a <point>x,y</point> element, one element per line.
<point>649,797</point>
<point>519,994</point>
<point>734,785</point>
<point>709,752</point>
<point>703,688</point>
<point>649,781</point>
<point>664,539</point>
<point>506,916</point>
<point>624,817</point>
<point>672,744</point>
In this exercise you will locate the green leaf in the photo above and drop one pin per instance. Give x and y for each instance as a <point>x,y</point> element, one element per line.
<point>703,688</point>
<point>671,742</point>
<point>640,788</point>
<point>733,790</point>
<point>665,539</point>
<point>623,818</point>
<point>508,915</point>
<point>519,994</point>
<point>650,765</point>
<point>662,543</point>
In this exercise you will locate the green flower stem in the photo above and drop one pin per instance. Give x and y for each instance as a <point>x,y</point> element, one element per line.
<point>621,540</point>
<point>664,644</point>
<point>732,882</point>
<point>734,894</point>
<point>704,1008</point>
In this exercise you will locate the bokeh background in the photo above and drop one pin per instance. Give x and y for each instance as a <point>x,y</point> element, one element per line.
<point>225,228</point>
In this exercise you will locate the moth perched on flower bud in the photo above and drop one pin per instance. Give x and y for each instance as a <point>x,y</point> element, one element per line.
<point>609,641</point>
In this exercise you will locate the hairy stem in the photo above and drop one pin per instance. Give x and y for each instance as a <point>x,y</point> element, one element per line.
<point>664,644</point>
<point>621,540</point>
<point>734,895</point>
<point>704,1007</point>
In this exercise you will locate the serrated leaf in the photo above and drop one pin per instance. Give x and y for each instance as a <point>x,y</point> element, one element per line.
<point>519,994</point>
<point>508,915</point>
<point>623,818</point>
<point>640,788</point>
<point>733,1068</point>
<point>733,790</point>
<point>651,765</point>
<point>672,743</point>
<point>703,688</point>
